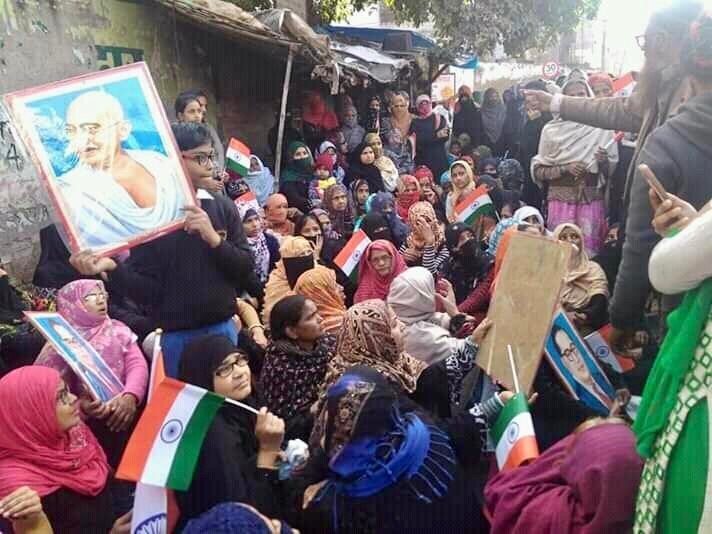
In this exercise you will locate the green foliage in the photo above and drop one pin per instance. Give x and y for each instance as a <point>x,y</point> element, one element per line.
<point>477,26</point>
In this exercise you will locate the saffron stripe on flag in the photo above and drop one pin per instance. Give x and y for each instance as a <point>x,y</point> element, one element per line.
<point>139,446</point>
<point>350,255</point>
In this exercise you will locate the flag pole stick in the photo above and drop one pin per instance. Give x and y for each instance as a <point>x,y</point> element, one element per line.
<point>242,405</point>
<point>514,369</point>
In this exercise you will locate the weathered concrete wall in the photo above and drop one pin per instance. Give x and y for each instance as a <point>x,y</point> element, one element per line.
<point>43,41</point>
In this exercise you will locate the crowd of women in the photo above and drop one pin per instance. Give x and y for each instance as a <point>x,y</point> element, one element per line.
<point>376,372</point>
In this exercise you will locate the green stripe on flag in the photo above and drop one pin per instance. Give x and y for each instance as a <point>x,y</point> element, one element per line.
<point>486,209</point>
<point>517,404</point>
<point>191,442</point>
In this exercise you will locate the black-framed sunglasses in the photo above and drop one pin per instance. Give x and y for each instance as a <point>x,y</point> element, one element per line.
<point>201,158</point>
<point>227,369</point>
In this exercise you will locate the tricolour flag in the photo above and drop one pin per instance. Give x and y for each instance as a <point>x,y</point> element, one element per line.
<point>164,447</point>
<point>237,157</point>
<point>474,205</point>
<point>347,260</point>
<point>624,85</point>
<point>155,509</point>
<point>513,432</point>
<point>246,202</point>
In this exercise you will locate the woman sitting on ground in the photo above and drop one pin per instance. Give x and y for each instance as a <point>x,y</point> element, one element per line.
<point>378,267</point>
<point>322,289</point>
<point>384,204</point>
<point>238,458</point>
<point>425,245</point>
<point>84,304</point>
<point>45,446</point>
<point>295,363</point>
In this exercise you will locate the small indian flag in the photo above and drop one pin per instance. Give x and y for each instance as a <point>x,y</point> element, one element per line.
<point>513,432</point>
<point>347,260</point>
<point>474,205</point>
<point>237,157</point>
<point>164,447</point>
<point>246,202</point>
<point>624,85</point>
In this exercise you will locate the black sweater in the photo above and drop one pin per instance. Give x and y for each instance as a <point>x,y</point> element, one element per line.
<point>187,284</point>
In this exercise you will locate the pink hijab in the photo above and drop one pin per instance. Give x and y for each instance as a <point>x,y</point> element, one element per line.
<point>585,484</point>
<point>111,338</point>
<point>371,285</point>
<point>34,452</point>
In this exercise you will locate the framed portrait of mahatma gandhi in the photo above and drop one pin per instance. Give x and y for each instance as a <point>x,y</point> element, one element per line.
<point>106,153</point>
<point>577,367</point>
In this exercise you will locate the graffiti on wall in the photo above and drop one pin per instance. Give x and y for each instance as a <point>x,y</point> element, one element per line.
<point>24,206</point>
<point>115,56</point>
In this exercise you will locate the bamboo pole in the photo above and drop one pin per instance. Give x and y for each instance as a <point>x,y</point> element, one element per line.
<point>283,116</point>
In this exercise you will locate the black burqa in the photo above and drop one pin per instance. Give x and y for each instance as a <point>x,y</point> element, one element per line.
<point>361,171</point>
<point>227,465</point>
<point>429,148</point>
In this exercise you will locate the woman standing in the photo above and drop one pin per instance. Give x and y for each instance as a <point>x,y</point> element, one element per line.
<point>295,362</point>
<point>264,246</point>
<point>494,114</point>
<point>297,176</point>
<point>44,445</point>
<point>400,118</point>
<point>378,267</point>
<point>389,172</point>
<point>575,166</point>
<point>431,134</point>
<point>400,150</point>
<point>467,119</point>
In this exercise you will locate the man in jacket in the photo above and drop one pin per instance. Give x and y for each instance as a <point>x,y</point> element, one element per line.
<point>662,89</point>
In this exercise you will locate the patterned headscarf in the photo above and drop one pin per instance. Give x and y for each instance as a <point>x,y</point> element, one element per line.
<point>320,287</point>
<point>423,209</point>
<point>110,338</point>
<point>366,339</point>
<point>342,222</point>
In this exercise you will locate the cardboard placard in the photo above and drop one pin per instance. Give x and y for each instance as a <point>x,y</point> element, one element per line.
<point>525,300</point>
<point>107,157</point>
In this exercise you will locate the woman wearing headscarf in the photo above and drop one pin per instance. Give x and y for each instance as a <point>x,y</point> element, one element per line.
<point>400,150</point>
<point>352,130</point>
<point>568,490</point>
<point>260,180</point>
<point>321,288</point>
<point>337,202</point>
<point>297,176</point>
<point>232,517</point>
<point>264,246</point>
<point>431,134</point>
<point>408,194</point>
<point>467,119</point>
<point>385,467</point>
<point>384,204</point>
<point>362,167</point>
<point>430,192</point>
<point>276,215</point>
<point>529,215</point>
<point>471,271</point>
<point>463,183</point>
<point>400,118</point>
<point>318,119</point>
<point>584,295</point>
<point>570,162</point>
<point>360,192</point>
<point>84,305</point>
<point>425,245</point>
<point>237,460</point>
<point>45,446</point>
<point>376,227</point>
<point>413,298</point>
<point>389,172</point>
<point>328,147</point>
<point>297,257</point>
<point>494,114</point>
<point>370,336</point>
<point>378,267</point>
<point>295,362</point>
